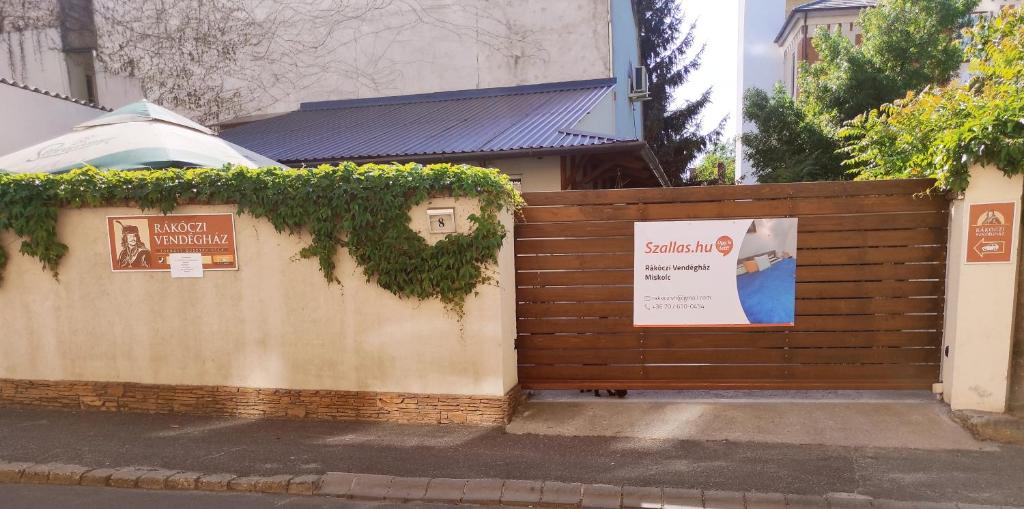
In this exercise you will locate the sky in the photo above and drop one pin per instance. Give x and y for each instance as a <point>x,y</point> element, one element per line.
<point>718,29</point>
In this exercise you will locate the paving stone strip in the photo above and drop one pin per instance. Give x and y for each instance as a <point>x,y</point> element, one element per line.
<point>479,492</point>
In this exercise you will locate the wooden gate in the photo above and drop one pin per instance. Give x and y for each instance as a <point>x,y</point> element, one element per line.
<point>870,291</point>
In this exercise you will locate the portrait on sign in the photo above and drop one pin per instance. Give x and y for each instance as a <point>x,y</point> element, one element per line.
<point>133,251</point>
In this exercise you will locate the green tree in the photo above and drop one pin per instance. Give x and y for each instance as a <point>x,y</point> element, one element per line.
<point>718,165</point>
<point>943,131</point>
<point>669,54</point>
<point>789,145</point>
<point>908,45</point>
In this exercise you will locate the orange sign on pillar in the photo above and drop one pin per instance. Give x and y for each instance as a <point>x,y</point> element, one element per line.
<point>990,232</point>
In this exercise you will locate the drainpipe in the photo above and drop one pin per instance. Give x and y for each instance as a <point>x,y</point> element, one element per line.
<point>78,43</point>
<point>807,56</point>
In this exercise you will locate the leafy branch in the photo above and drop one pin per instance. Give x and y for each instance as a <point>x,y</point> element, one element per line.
<point>363,208</point>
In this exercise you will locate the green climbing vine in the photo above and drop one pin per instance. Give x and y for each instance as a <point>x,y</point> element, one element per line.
<point>362,208</point>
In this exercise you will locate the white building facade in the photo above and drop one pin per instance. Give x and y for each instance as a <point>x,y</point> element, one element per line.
<point>253,59</point>
<point>356,50</point>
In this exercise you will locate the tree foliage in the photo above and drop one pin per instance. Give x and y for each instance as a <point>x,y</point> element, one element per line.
<point>668,52</point>
<point>362,208</point>
<point>718,166</point>
<point>942,131</point>
<point>789,145</point>
<point>908,45</point>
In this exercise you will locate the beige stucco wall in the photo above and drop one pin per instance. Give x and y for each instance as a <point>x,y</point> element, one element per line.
<point>273,323</point>
<point>980,303</point>
<point>538,173</point>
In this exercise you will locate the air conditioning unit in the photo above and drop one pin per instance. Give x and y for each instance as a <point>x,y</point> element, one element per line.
<point>638,84</point>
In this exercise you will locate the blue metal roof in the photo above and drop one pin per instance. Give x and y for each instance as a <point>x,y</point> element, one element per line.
<point>470,121</point>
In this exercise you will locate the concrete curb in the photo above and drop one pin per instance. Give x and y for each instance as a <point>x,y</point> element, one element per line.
<point>484,492</point>
<point>1003,428</point>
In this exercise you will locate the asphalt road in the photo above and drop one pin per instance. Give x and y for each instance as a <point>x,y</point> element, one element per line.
<point>993,477</point>
<point>21,496</point>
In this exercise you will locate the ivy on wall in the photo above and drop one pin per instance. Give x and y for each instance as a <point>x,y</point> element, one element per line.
<point>362,208</point>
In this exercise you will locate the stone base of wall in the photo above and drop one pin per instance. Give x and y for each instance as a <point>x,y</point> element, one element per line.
<point>1015,400</point>
<point>1016,403</point>
<point>261,403</point>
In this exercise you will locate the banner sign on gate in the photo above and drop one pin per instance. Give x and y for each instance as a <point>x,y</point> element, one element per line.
<point>738,273</point>
<point>145,243</point>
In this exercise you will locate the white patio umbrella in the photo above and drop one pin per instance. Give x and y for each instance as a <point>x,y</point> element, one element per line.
<point>140,135</point>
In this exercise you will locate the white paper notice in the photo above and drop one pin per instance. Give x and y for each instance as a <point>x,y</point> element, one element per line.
<point>186,264</point>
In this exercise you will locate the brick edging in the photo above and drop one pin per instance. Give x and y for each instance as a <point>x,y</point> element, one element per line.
<point>515,493</point>
<point>262,403</point>
<point>153,478</point>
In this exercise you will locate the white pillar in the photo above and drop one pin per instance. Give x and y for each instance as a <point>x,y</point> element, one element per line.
<point>980,300</point>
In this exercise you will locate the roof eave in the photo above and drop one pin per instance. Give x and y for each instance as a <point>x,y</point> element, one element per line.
<point>449,95</point>
<point>54,95</point>
<point>792,16</point>
<point>478,155</point>
<point>636,146</point>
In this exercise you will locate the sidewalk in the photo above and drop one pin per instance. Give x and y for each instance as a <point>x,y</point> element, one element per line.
<point>992,475</point>
<point>883,419</point>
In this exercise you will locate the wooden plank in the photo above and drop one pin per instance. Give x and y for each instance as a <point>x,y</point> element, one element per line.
<point>575,278</point>
<point>599,356</point>
<point>574,262</point>
<point>575,246</point>
<point>693,339</point>
<point>928,355</point>
<point>805,257</point>
<point>741,209</point>
<point>869,222</point>
<point>879,238</point>
<point>868,306</point>
<point>714,193</point>
<point>824,323</point>
<point>573,230</point>
<point>852,222</point>
<point>851,256</point>
<point>834,273</point>
<point>814,240</point>
<point>883,306</point>
<point>576,310</point>
<point>731,372</point>
<point>575,294</point>
<point>870,289</point>
<point>896,271</point>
